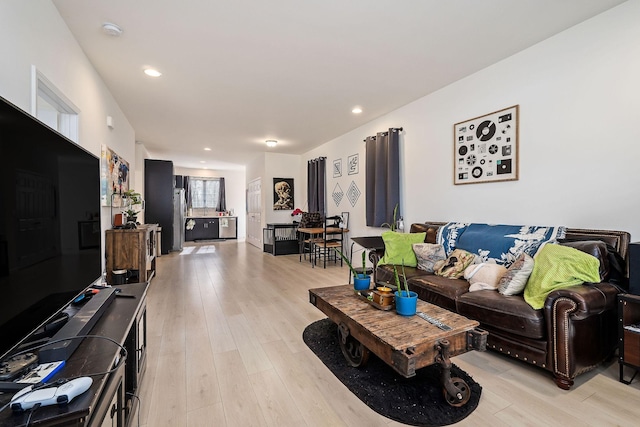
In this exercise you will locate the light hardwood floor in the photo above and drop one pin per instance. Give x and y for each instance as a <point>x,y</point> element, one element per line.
<point>225,348</point>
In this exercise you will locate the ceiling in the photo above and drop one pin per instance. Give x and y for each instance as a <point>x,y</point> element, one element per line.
<point>239,72</point>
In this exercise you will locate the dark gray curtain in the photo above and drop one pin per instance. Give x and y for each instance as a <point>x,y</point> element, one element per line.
<point>222,201</point>
<point>382,177</point>
<point>316,170</point>
<point>187,191</point>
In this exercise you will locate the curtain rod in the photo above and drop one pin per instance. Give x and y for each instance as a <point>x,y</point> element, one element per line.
<point>384,133</point>
<point>315,160</point>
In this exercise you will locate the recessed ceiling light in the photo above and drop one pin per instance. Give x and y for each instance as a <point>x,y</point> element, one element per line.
<point>271,142</point>
<point>207,149</point>
<point>111,29</point>
<point>202,161</point>
<point>152,73</point>
<point>357,110</point>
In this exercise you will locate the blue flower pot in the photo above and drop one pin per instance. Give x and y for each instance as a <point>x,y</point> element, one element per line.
<point>361,282</point>
<point>406,305</point>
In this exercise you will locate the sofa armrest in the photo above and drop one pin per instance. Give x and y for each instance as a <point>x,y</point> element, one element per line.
<point>581,325</point>
<point>589,299</point>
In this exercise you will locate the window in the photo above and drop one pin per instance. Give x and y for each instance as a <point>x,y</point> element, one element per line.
<point>51,107</point>
<point>206,195</point>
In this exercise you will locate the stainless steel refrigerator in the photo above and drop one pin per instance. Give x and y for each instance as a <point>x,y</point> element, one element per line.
<point>179,209</point>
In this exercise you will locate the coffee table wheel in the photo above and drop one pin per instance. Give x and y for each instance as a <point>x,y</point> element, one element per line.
<point>356,354</point>
<point>461,397</point>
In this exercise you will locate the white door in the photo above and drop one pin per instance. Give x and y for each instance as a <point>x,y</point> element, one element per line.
<point>254,213</point>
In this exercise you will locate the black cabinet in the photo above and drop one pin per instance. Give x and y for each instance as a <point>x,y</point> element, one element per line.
<point>629,334</point>
<point>202,229</point>
<point>280,239</point>
<point>158,196</point>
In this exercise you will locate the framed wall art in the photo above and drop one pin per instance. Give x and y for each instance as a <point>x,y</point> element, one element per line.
<point>114,175</point>
<point>486,148</point>
<point>282,194</point>
<point>337,168</point>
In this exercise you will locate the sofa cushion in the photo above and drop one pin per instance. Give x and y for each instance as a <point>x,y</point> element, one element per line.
<point>515,280</point>
<point>398,248</point>
<point>441,291</point>
<point>427,254</point>
<point>507,313</point>
<point>454,265</point>
<point>558,267</point>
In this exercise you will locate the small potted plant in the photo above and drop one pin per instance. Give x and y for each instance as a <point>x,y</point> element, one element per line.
<point>133,198</point>
<point>406,300</point>
<point>361,281</point>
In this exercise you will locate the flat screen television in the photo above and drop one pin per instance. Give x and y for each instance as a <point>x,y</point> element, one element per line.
<point>50,236</point>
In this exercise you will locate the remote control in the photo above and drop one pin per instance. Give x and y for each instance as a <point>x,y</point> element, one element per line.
<point>27,398</point>
<point>433,321</point>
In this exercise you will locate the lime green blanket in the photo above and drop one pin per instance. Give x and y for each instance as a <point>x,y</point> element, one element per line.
<point>557,267</point>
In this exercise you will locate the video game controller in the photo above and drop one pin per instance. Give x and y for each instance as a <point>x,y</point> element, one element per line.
<point>27,398</point>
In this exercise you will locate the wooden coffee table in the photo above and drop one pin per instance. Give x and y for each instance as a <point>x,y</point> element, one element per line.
<point>404,343</point>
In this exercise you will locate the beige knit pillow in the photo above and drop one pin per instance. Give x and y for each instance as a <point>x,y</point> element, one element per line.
<point>515,279</point>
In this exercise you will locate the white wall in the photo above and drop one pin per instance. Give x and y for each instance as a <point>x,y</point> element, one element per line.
<point>32,33</point>
<point>235,187</point>
<point>579,145</point>
<point>274,165</point>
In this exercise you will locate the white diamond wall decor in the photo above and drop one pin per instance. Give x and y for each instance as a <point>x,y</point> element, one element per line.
<point>353,193</point>
<point>337,194</point>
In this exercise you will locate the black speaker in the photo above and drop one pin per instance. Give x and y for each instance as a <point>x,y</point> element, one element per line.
<point>634,268</point>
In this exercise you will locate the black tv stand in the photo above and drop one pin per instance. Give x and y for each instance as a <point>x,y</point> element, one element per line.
<point>79,324</point>
<point>110,399</point>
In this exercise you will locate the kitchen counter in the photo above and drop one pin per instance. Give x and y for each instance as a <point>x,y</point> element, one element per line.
<point>211,228</point>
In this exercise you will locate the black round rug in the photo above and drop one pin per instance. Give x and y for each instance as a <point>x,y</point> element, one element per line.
<point>417,401</point>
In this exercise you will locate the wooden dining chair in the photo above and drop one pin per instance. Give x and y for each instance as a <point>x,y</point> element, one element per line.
<point>309,220</point>
<point>332,239</point>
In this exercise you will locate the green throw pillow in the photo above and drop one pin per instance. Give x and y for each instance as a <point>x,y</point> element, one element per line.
<point>398,248</point>
<point>557,267</point>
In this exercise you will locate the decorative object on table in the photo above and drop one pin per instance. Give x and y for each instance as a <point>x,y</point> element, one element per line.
<point>297,215</point>
<point>416,401</point>
<point>361,280</point>
<point>133,205</point>
<point>282,194</point>
<point>486,148</point>
<point>125,208</point>
<point>406,300</point>
<point>114,175</point>
<point>383,296</point>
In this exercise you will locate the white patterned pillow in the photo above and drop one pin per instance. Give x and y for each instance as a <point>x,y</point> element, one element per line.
<point>516,277</point>
<point>428,254</point>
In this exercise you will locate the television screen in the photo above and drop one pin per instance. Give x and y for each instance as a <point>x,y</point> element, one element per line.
<point>50,237</point>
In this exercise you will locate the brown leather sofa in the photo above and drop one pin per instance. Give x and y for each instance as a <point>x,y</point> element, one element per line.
<point>574,332</point>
